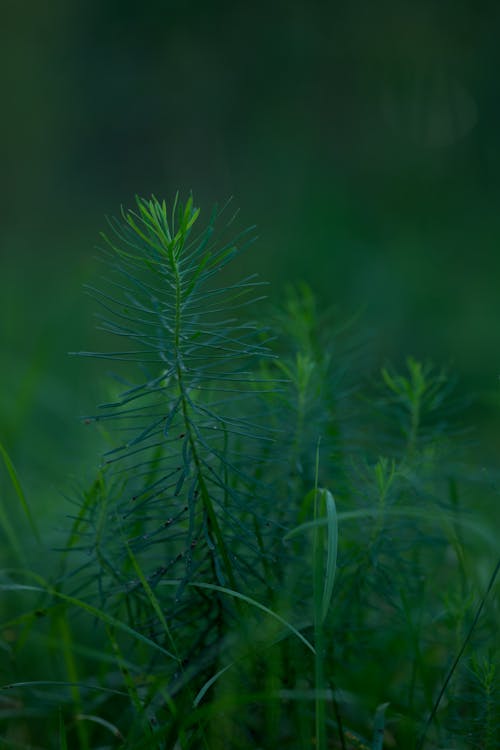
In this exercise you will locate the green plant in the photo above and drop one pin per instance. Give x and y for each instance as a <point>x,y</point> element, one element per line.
<point>272,554</point>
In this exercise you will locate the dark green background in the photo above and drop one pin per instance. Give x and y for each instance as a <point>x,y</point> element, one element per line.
<point>362,138</point>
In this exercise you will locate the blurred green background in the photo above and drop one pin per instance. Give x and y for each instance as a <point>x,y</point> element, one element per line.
<point>362,138</point>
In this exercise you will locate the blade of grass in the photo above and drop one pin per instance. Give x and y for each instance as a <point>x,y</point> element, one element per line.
<point>98,720</point>
<point>61,683</point>
<point>331,551</point>
<point>319,639</point>
<point>94,611</point>
<point>152,600</point>
<point>378,727</point>
<point>409,513</point>
<point>456,660</point>
<point>325,545</point>
<point>19,492</point>
<point>63,742</point>
<point>253,603</point>
<point>12,538</point>
<point>206,687</point>
<point>72,671</point>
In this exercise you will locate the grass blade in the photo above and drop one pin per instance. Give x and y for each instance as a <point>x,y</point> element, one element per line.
<point>91,610</point>
<point>258,605</point>
<point>19,492</point>
<point>378,727</point>
<point>458,657</point>
<point>331,551</point>
<point>63,742</point>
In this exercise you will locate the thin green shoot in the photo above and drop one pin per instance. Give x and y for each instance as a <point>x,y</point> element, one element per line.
<point>252,602</point>
<point>20,493</point>
<point>459,655</point>
<point>91,610</point>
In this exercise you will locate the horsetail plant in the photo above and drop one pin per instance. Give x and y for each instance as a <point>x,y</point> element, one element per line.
<point>181,435</point>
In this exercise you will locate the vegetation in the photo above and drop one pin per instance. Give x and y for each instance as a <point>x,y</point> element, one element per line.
<point>277,551</point>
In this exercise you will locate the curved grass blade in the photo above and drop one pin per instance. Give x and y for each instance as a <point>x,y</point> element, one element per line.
<point>253,603</point>
<point>103,722</point>
<point>94,611</point>
<point>63,740</point>
<point>19,492</point>
<point>458,657</point>
<point>408,513</point>
<point>331,551</point>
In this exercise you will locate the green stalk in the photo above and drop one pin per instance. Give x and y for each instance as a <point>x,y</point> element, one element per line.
<point>325,542</point>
